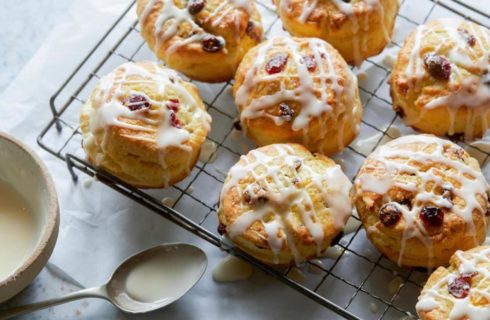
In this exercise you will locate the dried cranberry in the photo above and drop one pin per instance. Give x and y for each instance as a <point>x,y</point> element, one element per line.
<point>277,63</point>
<point>437,66</point>
<point>310,62</point>
<point>432,216</point>
<point>286,112</point>
<point>459,287</point>
<point>137,102</point>
<point>211,43</point>
<point>221,229</point>
<point>195,6</point>
<point>173,104</point>
<point>389,214</point>
<point>470,39</point>
<point>174,120</point>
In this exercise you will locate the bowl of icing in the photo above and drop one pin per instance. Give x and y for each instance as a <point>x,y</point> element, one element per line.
<point>29,216</point>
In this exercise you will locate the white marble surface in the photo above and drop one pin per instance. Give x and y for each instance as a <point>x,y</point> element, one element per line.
<point>29,22</point>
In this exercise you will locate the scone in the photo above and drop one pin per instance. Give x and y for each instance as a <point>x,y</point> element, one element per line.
<point>144,124</point>
<point>203,39</point>
<point>461,291</point>
<point>421,198</point>
<point>298,90</point>
<point>440,82</point>
<point>358,29</point>
<point>281,203</point>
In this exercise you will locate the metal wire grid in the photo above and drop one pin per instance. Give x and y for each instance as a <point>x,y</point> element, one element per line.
<point>320,281</point>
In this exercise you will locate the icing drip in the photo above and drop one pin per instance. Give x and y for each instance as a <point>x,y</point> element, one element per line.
<point>471,262</point>
<point>109,109</point>
<point>463,181</point>
<point>171,17</point>
<point>304,93</point>
<point>283,196</point>
<point>464,90</point>
<point>351,10</point>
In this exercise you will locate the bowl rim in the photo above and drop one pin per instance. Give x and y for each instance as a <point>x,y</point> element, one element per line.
<point>52,217</point>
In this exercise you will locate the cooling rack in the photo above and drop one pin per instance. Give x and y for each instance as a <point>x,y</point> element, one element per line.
<point>356,282</point>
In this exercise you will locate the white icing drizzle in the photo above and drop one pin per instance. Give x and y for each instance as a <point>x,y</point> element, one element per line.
<point>471,182</point>
<point>283,195</point>
<point>474,261</point>
<point>464,90</point>
<point>360,38</point>
<point>312,106</point>
<point>109,109</point>
<point>171,17</point>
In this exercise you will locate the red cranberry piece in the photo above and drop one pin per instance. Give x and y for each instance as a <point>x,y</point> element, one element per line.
<point>221,229</point>
<point>173,107</point>
<point>459,287</point>
<point>389,214</point>
<point>174,120</point>
<point>286,112</point>
<point>211,43</point>
<point>195,6</point>
<point>437,66</point>
<point>137,102</point>
<point>432,216</point>
<point>173,104</point>
<point>310,62</point>
<point>470,39</point>
<point>277,63</point>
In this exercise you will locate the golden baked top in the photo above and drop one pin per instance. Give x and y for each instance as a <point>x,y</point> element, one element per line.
<point>209,25</point>
<point>461,291</point>
<point>285,196</point>
<point>422,186</point>
<point>149,106</point>
<point>335,11</point>
<point>445,63</point>
<point>295,81</point>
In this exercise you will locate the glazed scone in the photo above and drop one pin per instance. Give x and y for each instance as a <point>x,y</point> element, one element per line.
<point>203,39</point>
<point>358,29</point>
<point>282,204</point>
<point>144,124</point>
<point>421,198</point>
<point>440,82</point>
<point>461,291</point>
<point>298,90</point>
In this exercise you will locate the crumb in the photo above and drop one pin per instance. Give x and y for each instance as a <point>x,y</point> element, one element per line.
<point>168,201</point>
<point>77,312</point>
<point>395,284</point>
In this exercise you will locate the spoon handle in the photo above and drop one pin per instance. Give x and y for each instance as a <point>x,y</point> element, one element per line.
<point>98,292</point>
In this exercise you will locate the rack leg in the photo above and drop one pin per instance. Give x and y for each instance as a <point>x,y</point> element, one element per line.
<point>69,164</point>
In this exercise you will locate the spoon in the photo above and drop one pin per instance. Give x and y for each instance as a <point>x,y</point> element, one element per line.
<point>147,281</point>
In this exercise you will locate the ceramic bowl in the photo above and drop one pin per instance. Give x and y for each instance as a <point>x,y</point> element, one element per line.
<point>24,171</point>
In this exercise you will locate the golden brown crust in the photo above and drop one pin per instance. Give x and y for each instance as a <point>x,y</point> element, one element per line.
<point>417,95</point>
<point>328,93</point>
<point>127,143</point>
<point>178,42</point>
<point>435,171</point>
<point>437,303</point>
<point>283,197</point>
<point>373,20</point>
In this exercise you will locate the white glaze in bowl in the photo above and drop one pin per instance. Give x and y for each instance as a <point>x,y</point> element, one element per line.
<point>22,170</point>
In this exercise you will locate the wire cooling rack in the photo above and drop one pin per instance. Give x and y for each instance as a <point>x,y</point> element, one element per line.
<point>357,282</point>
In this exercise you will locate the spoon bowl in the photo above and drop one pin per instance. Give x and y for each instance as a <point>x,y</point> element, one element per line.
<point>147,281</point>
<point>176,254</point>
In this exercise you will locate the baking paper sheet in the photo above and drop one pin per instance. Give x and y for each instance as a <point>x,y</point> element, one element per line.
<point>100,228</point>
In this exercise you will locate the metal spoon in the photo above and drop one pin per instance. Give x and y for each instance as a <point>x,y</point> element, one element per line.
<point>115,290</point>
